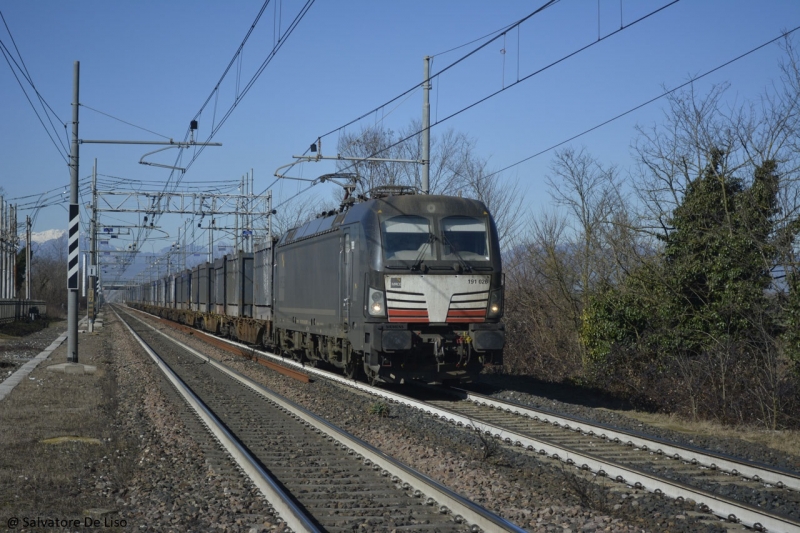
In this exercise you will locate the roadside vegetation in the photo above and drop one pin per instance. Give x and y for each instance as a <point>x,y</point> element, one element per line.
<point>676,286</point>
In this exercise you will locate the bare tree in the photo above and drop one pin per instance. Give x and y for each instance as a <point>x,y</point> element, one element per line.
<point>542,307</point>
<point>49,275</point>
<point>295,212</point>
<point>455,169</point>
<point>588,241</point>
<point>671,155</point>
<point>591,195</point>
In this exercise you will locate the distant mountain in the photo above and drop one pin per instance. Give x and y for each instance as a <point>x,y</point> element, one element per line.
<point>48,235</point>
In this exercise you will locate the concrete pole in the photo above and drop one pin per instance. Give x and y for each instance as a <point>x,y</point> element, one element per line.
<point>90,302</point>
<point>183,246</point>
<point>14,248</point>
<point>426,127</point>
<point>72,302</point>
<point>236,220</point>
<point>251,246</point>
<point>2,248</point>
<point>6,247</point>
<point>211,241</point>
<point>9,251</point>
<point>9,245</point>
<point>28,257</point>
<point>269,219</point>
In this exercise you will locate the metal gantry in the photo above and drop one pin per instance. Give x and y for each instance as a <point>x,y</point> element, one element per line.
<point>152,204</point>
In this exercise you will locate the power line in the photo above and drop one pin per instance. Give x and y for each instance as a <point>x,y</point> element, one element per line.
<point>407,93</point>
<point>6,55</point>
<point>255,76</point>
<point>29,79</point>
<point>445,69</point>
<point>123,121</point>
<point>525,78</point>
<point>501,30</point>
<point>650,101</point>
<point>239,96</point>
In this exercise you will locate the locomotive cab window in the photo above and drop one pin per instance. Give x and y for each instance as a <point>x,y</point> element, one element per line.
<point>407,237</point>
<point>465,237</point>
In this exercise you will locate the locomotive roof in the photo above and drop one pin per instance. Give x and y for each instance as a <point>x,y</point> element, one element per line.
<point>401,204</point>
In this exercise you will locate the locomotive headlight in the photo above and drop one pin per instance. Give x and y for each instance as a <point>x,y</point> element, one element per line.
<point>495,307</point>
<point>375,302</point>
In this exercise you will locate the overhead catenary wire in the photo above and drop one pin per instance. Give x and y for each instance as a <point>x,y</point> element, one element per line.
<point>445,69</point>
<point>172,181</point>
<point>254,78</point>
<point>123,121</point>
<point>524,78</point>
<point>648,102</point>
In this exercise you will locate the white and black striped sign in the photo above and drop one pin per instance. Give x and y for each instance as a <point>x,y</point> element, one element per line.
<point>74,233</point>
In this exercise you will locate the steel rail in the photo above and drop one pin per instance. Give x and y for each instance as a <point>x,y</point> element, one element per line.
<point>284,506</point>
<point>721,506</point>
<point>449,500</point>
<point>713,460</point>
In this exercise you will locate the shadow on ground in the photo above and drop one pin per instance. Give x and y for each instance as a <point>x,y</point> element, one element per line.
<point>566,392</point>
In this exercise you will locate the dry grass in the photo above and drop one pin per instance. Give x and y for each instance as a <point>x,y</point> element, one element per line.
<point>783,440</point>
<point>21,328</point>
<point>44,474</point>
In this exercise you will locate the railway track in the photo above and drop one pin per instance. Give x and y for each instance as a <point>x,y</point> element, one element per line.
<point>316,476</point>
<point>758,496</point>
<point>739,491</point>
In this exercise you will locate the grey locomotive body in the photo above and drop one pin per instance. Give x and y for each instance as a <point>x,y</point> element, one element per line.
<point>397,288</point>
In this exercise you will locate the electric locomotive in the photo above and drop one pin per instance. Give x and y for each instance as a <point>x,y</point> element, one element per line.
<point>400,286</point>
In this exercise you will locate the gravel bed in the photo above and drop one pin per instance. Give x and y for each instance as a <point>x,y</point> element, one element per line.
<point>16,351</point>
<point>181,481</point>
<point>536,493</point>
<point>512,389</point>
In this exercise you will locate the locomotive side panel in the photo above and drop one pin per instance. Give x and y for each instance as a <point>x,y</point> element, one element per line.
<point>306,281</point>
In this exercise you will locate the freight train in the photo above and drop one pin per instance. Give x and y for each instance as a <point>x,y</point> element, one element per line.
<point>393,288</point>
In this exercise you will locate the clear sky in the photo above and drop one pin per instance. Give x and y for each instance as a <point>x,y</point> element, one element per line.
<point>154,64</point>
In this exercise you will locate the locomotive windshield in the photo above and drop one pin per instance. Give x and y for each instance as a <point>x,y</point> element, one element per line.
<point>407,237</point>
<point>465,238</point>
<point>417,238</point>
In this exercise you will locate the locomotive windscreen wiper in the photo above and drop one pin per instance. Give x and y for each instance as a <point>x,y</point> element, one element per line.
<point>420,257</point>
<point>466,266</point>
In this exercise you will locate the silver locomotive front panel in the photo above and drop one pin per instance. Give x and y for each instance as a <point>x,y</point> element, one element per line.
<point>430,299</point>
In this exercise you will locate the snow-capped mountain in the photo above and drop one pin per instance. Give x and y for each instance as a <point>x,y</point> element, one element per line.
<point>47,235</point>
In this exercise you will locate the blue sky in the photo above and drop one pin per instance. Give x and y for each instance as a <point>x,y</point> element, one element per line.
<point>153,64</point>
